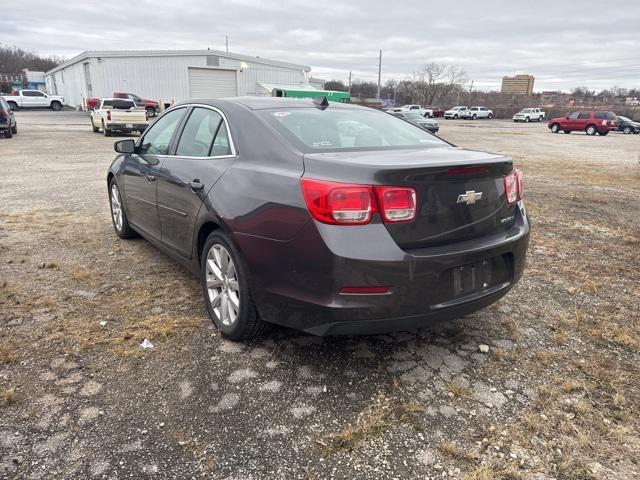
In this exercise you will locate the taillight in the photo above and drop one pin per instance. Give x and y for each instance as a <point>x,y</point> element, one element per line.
<point>339,203</point>
<point>351,204</point>
<point>109,115</point>
<point>514,187</point>
<point>397,204</point>
<point>146,116</point>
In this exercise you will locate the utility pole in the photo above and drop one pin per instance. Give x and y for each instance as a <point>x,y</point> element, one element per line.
<point>226,39</point>
<point>379,72</point>
<point>349,82</point>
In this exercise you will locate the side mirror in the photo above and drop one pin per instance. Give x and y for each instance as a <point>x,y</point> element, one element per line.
<point>125,146</point>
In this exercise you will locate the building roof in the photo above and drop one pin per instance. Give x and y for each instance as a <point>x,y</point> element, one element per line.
<point>270,86</point>
<point>174,53</point>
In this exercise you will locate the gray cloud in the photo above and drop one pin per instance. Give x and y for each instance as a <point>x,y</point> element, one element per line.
<point>563,44</point>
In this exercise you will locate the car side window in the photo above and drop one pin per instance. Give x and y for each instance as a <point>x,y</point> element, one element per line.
<point>221,145</point>
<point>158,138</point>
<point>574,116</point>
<point>583,116</point>
<point>599,115</point>
<point>197,136</point>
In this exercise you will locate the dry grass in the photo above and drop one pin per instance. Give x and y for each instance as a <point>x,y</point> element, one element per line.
<point>457,453</point>
<point>8,352</point>
<point>458,389</point>
<point>85,275</point>
<point>382,414</point>
<point>9,396</point>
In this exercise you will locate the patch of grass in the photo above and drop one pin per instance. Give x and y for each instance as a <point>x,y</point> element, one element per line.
<point>8,352</point>
<point>84,275</point>
<point>482,473</point>
<point>454,451</point>
<point>382,414</point>
<point>458,389</point>
<point>560,338</point>
<point>9,396</point>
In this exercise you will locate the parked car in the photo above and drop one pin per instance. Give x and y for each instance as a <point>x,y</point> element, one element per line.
<point>417,119</point>
<point>290,214</point>
<point>151,107</point>
<point>589,122</point>
<point>529,115</point>
<point>437,111</point>
<point>627,125</point>
<point>474,113</point>
<point>455,112</point>
<point>116,114</point>
<point>34,99</point>
<point>425,112</point>
<point>8,125</point>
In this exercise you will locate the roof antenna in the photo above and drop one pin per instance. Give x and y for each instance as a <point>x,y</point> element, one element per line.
<point>321,103</point>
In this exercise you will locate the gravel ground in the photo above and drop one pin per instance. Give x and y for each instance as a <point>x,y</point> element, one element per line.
<point>542,385</point>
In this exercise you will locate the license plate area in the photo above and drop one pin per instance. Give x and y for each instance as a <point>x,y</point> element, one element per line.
<point>481,275</point>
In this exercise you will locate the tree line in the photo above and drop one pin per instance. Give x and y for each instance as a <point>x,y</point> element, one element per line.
<point>13,60</point>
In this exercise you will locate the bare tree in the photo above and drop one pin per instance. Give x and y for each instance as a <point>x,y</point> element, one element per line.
<point>436,80</point>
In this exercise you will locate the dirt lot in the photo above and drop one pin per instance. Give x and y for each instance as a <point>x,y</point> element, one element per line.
<point>557,395</point>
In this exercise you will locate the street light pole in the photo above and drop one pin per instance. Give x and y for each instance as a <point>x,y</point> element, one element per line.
<point>379,72</point>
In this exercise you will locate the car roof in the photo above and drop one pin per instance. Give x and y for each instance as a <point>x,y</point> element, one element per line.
<point>264,103</point>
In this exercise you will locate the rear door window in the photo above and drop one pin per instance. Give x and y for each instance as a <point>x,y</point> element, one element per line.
<point>583,116</point>
<point>599,115</point>
<point>198,134</point>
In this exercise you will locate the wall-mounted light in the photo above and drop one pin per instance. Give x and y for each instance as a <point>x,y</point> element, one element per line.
<point>243,66</point>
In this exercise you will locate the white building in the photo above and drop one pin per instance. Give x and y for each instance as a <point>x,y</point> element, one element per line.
<point>170,75</point>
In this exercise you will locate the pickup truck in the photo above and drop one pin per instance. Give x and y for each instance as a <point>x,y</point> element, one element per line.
<point>33,99</point>
<point>455,112</point>
<point>152,108</point>
<point>529,115</point>
<point>425,112</point>
<point>116,114</point>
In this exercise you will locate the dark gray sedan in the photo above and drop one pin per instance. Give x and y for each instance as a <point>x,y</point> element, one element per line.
<point>8,124</point>
<point>414,117</point>
<point>329,218</point>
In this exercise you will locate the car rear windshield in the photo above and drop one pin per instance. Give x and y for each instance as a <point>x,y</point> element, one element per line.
<point>118,104</point>
<point>347,129</point>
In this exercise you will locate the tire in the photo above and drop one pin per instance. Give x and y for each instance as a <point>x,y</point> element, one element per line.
<point>56,105</point>
<point>527,119</point>
<point>230,309</point>
<point>539,119</point>
<point>490,116</point>
<point>106,132</point>
<point>151,111</point>
<point>118,215</point>
<point>627,130</point>
<point>605,133</point>
<point>591,129</point>
<point>455,117</point>
<point>14,129</point>
<point>555,128</point>
<point>8,133</point>
<point>93,127</point>
<point>567,132</point>
<point>474,117</point>
<point>13,106</point>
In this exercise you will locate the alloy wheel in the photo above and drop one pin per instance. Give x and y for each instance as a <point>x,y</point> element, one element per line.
<point>223,287</point>
<point>116,207</point>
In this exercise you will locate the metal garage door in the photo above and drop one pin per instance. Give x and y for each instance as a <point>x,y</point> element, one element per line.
<point>212,83</point>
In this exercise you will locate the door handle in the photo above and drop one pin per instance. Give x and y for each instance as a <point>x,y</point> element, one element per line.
<point>150,178</point>
<point>196,185</point>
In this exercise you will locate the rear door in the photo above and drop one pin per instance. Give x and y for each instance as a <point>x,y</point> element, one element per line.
<point>142,169</point>
<point>203,152</point>
<point>584,118</point>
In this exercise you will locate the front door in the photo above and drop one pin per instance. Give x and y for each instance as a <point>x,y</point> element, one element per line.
<point>202,154</point>
<point>141,172</point>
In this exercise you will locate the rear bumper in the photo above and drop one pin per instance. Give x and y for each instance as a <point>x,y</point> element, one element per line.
<point>297,283</point>
<point>126,127</point>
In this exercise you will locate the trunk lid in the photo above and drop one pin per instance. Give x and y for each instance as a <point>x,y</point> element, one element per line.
<point>460,193</point>
<point>132,116</point>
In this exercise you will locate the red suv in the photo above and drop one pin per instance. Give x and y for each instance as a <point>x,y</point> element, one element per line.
<point>589,122</point>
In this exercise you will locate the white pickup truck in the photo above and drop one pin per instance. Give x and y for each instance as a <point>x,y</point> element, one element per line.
<point>425,112</point>
<point>455,112</point>
<point>34,99</point>
<point>529,115</point>
<point>477,112</point>
<point>116,114</point>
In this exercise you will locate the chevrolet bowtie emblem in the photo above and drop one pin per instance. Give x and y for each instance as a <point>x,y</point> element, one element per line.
<point>470,197</point>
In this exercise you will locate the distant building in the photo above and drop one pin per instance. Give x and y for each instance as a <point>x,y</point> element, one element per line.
<point>519,84</point>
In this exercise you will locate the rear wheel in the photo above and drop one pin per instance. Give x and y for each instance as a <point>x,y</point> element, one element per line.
<point>93,127</point>
<point>603,133</point>
<point>14,129</point>
<point>8,133</point>
<point>118,215</point>
<point>105,130</point>
<point>591,130</point>
<point>225,284</point>
<point>555,128</point>
<point>13,106</point>
<point>55,105</point>
<point>627,130</point>
<point>151,111</point>
<point>567,132</point>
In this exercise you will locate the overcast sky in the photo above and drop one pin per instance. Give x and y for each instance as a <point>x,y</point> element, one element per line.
<point>562,43</point>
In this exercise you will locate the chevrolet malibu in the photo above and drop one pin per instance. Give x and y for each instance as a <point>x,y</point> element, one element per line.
<point>328,218</point>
